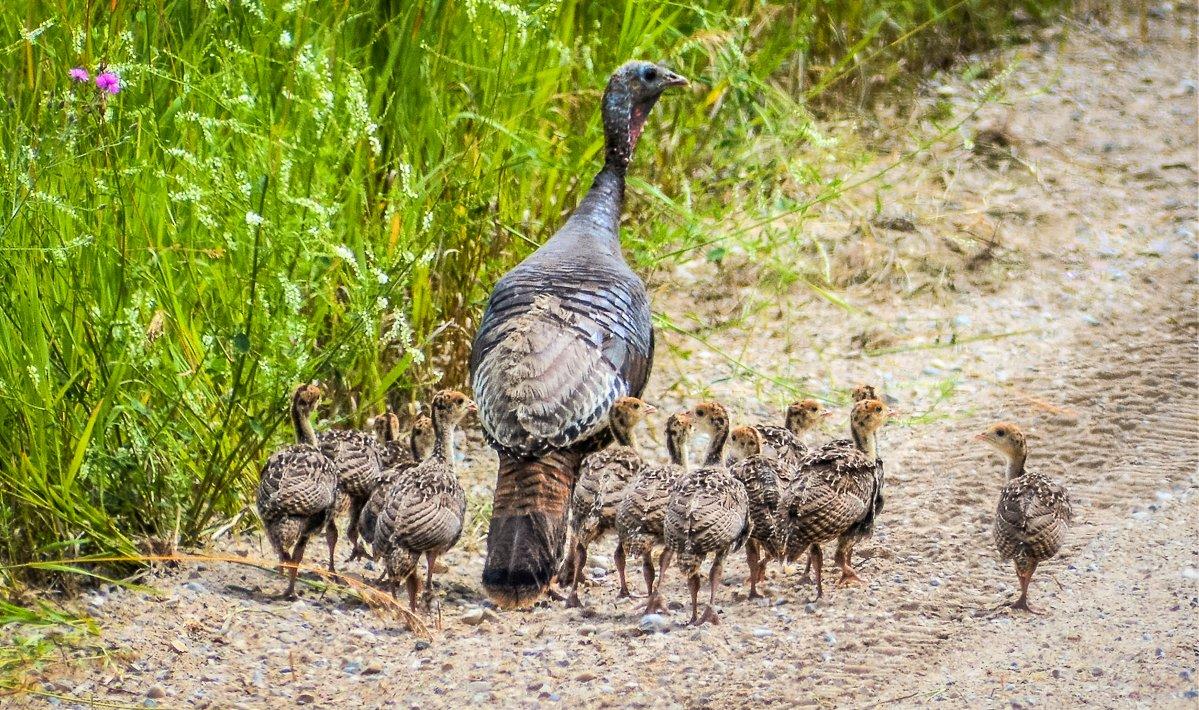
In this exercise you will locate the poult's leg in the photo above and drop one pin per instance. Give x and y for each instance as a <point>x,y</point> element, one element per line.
<point>816,556</point>
<point>710,616</point>
<point>647,571</point>
<point>359,550</point>
<point>413,583</point>
<point>619,557</point>
<point>1025,576</point>
<point>753,559</point>
<point>693,587</point>
<point>580,561</point>
<point>655,605</point>
<point>297,556</point>
<point>331,539</point>
<point>430,561</point>
<point>807,571</point>
<point>849,575</point>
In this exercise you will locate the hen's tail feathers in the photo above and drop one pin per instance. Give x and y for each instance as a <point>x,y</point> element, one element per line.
<point>528,526</point>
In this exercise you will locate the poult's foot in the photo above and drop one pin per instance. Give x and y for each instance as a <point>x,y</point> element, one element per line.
<point>755,594</point>
<point>654,605</point>
<point>709,617</point>
<point>573,602</point>
<point>1022,604</point>
<point>849,578</point>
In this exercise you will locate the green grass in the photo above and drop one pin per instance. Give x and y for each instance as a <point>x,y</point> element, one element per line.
<point>329,189</point>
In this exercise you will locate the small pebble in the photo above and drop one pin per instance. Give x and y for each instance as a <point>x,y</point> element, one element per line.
<point>652,624</point>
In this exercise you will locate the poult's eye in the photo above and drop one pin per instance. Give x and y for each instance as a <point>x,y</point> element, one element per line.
<point>649,74</point>
<point>1001,432</point>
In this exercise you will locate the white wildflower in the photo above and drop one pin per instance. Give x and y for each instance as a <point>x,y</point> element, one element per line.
<point>253,218</point>
<point>285,39</point>
<point>345,252</point>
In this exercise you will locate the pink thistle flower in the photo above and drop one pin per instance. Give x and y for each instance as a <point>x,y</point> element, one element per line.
<point>110,82</point>
<point>78,74</point>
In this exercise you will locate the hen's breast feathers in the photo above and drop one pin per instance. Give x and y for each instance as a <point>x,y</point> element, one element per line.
<point>559,343</point>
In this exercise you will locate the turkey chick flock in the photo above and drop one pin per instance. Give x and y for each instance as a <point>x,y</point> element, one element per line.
<point>762,488</point>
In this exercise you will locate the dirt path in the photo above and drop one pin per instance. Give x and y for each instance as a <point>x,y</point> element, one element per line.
<point>1074,314</point>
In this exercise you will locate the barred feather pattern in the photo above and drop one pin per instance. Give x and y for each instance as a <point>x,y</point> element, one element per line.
<point>1032,519</point>
<point>297,493</point>
<point>604,476</point>
<point>838,492</point>
<point>369,517</point>
<point>642,510</point>
<point>707,513</point>
<point>565,335</point>
<point>762,478</point>
<point>422,512</point>
<point>393,454</point>
<point>779,443</point>
<point>355,454</point>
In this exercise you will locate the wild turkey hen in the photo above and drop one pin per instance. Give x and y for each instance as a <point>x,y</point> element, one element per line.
<point>1033,513</point>
<point>297,490</point>
<point>566,333</point>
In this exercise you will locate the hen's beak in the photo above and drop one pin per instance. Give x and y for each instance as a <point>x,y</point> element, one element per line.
<point>672,79</point>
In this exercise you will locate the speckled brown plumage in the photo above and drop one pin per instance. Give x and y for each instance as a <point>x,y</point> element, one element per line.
<point>603,478</point>
<point>403,458</point>
<point>837,494</point>
<point>297,490</point>
<point>1033,514</point>
<point>762,476</point>
<point>355,455</point>
<point>423,509</point>
<point>707,514</point>
<point>640,515</point>
<point>785,443</point>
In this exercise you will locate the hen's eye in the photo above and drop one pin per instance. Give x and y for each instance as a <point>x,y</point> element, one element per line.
<point>649,74</point>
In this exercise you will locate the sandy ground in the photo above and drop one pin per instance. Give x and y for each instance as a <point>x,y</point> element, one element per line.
<point>1078,321</point>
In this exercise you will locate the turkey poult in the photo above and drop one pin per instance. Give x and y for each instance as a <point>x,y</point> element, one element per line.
<point>838,493</point>
<point>603,478</point>
<point>297,490</point>
<point>641,510</point>
<point>1033,514</point>
<point>707,514</point>
<point>423,509</point>
<point>397,452</point>
<point>418,448</point>
<point>355,455</point>
<point>566,333</point>
<point>762,477</point>
<point>786,442</point>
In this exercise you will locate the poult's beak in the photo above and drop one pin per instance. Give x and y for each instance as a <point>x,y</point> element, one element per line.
<point>827,413</point>
<point>472,408</point>
<point>650,409</point>
<point>980,437</point>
